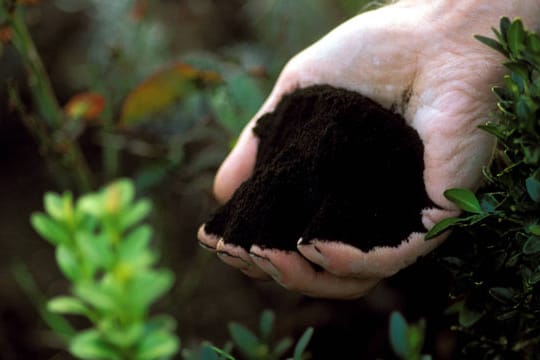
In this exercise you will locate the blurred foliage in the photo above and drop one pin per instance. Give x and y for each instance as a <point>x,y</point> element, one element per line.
<point>406,339</point>
<point>104,252</point>
<point>124,55</point>
<point>497,274</point>
<point>253,346</point>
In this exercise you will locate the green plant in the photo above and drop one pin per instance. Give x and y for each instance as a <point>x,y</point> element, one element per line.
<point>104,251</point>
<point>498,272</point>
<point>406,339</point>
<point>252,346</point>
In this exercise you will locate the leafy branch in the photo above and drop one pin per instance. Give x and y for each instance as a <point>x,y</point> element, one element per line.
<point>498,273</point>
<point>104,252</point>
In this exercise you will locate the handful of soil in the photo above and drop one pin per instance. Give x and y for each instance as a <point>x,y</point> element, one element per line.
<point>331,165</point>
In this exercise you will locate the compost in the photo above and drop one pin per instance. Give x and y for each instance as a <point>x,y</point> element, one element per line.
<point>331,165</point>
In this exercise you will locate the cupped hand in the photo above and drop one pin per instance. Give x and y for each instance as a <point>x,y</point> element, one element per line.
<point>419,59</point>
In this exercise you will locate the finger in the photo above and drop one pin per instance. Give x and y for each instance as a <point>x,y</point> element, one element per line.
<point>239,258</point>
<point>239,164</point>
<point>206,240</point>
<point>345,260</point>
<point>293,272</point>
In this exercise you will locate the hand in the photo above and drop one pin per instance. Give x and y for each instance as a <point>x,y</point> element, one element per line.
<point>419,58</point>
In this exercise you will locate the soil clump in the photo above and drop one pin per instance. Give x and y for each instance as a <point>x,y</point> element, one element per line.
<point>331,165</point>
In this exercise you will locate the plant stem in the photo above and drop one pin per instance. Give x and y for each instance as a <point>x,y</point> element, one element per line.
<point>47,106</point>
<point>38,80</point>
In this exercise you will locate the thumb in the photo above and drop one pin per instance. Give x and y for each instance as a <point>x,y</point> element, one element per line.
<point>239,164</point>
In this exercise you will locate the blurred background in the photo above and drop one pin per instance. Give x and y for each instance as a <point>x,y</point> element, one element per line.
<point>158,91</point>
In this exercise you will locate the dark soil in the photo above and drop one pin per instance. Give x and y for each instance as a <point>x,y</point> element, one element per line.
<point>331,164</point>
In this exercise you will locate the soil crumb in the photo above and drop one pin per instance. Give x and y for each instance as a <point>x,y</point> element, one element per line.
<point>331,165</point>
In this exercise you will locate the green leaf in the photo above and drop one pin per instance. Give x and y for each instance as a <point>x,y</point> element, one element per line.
<point>266,325</point>
<point>121,336</point>
<point>398,334</point>
<point>157,345</point>
<point>464,199</point>
<point>504,25</point>
<point>502,294</point>
<point>221,352</point>
<point>50,229</point>
<point>134,248</point>
<point>534,277</point>
<point>161,322</point>
<point>118,195</point>
<point>516,36</point>
<point>135,214</point>
<point>534,229</point>
<point>442,226</point>
<point>469,316</point>
<point>90,204</point>
<point>533,188</point>
<point>148,286</point>
<point>281,347</point>
<point>94,249</point>
<point>96,296</point>
<point>302,344</point>
<point>489,203</point>
<point>54,206</point>
<point>531,246</point>
<point>67,305</point>
<point>246,341</point>
<point>68,262</point>
<point>89,345</point>
<point>415,337</point>
<point>494,44</point>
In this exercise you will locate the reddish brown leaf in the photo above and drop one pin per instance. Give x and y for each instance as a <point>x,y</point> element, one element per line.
<point>5,34</point>
<point>87,106</point>
<point>162,89</point>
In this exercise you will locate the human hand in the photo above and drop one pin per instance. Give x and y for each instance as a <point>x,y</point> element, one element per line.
<point>419,59</point>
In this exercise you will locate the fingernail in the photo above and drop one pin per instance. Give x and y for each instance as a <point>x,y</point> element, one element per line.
<point>206,247</point>
<point>226,254</point>
<point>266,265</point>
<point>313,253</point>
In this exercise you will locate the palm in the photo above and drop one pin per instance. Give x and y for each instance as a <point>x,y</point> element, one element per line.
<point>440,83</point>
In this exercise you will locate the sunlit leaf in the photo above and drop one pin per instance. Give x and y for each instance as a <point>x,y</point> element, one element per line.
<point>147,286</point>
<point>464,199</point>
<point>50,229</point>
<point>157,345</point>
<point>89,345</point>
<point>67,305</point>
<point>161,90</point>
<point>68,262</point>
<point>135,213</point>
